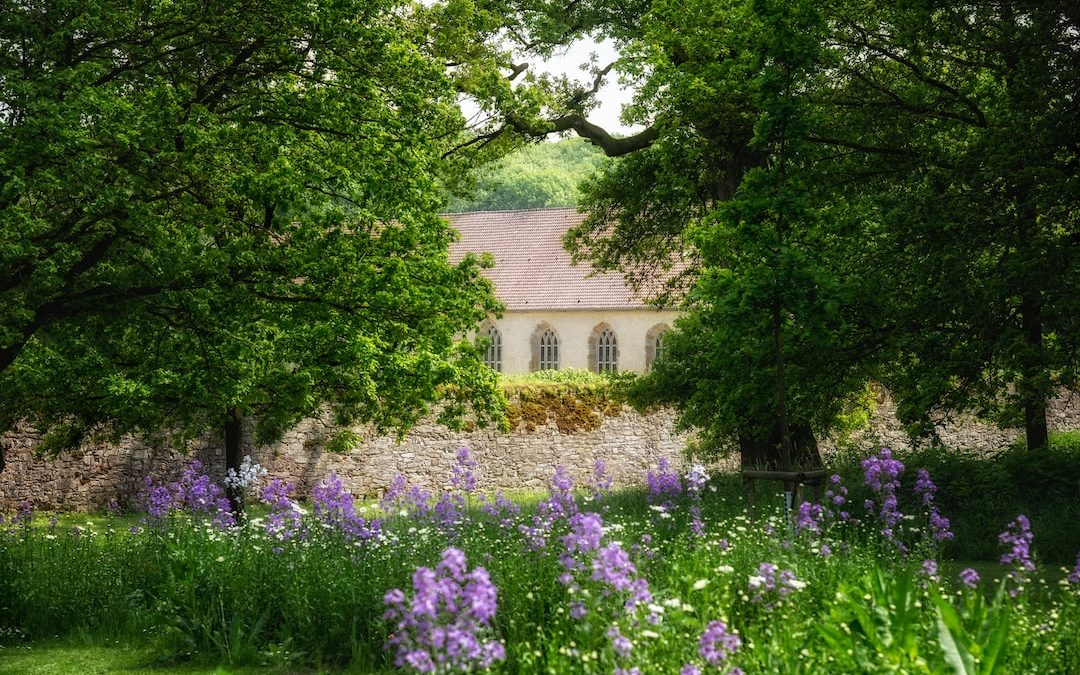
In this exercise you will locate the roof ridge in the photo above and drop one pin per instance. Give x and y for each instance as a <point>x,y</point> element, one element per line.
<point>535,210</point>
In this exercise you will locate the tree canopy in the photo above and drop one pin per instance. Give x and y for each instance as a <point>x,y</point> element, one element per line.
<point>538,175</point>
<point>213,209</point>
<point>899,181</point>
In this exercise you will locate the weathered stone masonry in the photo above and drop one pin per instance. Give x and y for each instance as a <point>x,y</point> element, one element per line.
<point>628,442</point>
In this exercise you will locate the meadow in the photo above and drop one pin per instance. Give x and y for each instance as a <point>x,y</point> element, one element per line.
<point>921,563</point>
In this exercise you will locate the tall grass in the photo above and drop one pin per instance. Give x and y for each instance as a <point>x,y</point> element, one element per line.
<point>198,593</point>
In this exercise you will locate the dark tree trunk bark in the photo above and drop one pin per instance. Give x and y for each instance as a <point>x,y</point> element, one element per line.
<point>233,436</point>
<point>1036,432</point>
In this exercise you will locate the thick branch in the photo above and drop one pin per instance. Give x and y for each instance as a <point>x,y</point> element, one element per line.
<point>612,146</point>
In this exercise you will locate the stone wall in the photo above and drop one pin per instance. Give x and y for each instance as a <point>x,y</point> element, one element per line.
<point>524,459</point>
<point>88,479</point>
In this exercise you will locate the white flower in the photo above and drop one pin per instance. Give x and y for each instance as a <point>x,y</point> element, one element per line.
<point>650,634</point>
<point>653,607</point>
<point>756,581</point>
<point>796,584</point>
<point>700,584</point>
<point>725,569</point>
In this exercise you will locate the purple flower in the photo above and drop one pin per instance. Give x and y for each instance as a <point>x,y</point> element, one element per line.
<point>612,566</point>
<point>1074,578</point>
<point>771,584</point>
<point>1018,537</point>
<point>285,520</point>
<point>940,528</point>
<point>333,506</point>
<point>925,487</point>
<point>463,475</point>
<point>560,506</point>
<point>690,669</point>
<point>969,577</point>
<point>500,509</point>
<point>930,568</point>
<point>664,486</point>
<point>394,494</point>
<point>619,642</point>
<point>809,518</point>
<point>881,474</point>
<point>601,481</point>
<point>717,643</point>
<point>586,530</point>
<point>445,625</point>
<point>23,514</point>
<point>578,610</point>
<point>194,493</point>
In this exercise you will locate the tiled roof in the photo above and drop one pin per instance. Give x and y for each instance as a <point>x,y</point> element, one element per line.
<point>532,270</point>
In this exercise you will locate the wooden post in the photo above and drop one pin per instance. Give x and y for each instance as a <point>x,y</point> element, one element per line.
<point>751,496</point>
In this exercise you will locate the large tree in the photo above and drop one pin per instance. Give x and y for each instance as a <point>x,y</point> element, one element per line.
<point>937,146</point>
<point>215,209</point>
<point>958,120</point>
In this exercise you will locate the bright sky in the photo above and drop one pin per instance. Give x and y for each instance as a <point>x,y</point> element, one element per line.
<point>611,95</point>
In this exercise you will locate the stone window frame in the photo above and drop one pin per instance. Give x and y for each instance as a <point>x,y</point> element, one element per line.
<point>493,351</point>
<point>595,346</point>
<point>654,338</point>
<point>538,334</point>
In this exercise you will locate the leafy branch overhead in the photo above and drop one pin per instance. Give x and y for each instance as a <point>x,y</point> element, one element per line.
<point>198,221</point>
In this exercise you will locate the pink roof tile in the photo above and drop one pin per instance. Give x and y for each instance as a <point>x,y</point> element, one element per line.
<point>532,270</point>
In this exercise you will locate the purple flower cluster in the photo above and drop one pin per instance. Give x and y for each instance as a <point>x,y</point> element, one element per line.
<point>285,520</point>
<point>1074,578</point>
<point>23,515</point>
<point>969,577</point>
<point>601,481</point>
<point>586,530</point>
<point>882,475</point>
<point>445,625</point>
<point>463,475</point>
<point>837,498</point>
<point>771,584</point>
<point>664,486</point>
<point>500,509</point>
<point>559,506</point>
<point>333,506</point>
<point>194,493</point>
<point>413,501</point>
<point>930,569</point>
<point>940,528</point>
<point>717,644</point>
<point>809,517</point>
<point>1018,537</point>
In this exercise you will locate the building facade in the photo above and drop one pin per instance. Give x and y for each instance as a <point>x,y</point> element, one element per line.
<point>558,315</point>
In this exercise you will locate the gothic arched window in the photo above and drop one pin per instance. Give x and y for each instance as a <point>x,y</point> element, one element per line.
<point>493,352</point>
<point>549,350</point>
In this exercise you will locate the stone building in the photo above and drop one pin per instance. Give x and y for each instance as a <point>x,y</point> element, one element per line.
<point>558,315</point>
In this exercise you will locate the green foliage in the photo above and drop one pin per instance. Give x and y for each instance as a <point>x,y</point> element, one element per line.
<point>979,494</point>
<point>206,209</point>
<point>194,594</point>
<point>975,638</point>
<point>541,175</point>
<point>877,624</point>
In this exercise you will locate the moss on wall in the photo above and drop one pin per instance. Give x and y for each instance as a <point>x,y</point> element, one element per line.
<point>572,407</point>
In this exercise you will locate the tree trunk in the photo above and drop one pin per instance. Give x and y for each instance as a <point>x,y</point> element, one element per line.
<point>1032,392</point>
<point>233,435</point>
